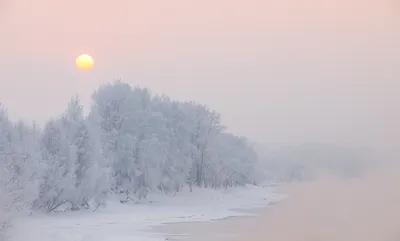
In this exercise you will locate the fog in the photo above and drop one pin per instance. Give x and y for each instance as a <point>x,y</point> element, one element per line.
<point>339,210</point>
<point>329,208</point>
<point>278,72</point>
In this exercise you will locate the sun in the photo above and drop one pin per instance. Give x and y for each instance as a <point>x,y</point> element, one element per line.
<point>84,62</point>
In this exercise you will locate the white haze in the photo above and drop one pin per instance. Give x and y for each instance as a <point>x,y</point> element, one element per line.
<point>285,73</point>
<point>278,72</point>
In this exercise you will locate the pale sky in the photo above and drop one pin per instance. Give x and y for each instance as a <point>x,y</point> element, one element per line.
<point>278,71</point>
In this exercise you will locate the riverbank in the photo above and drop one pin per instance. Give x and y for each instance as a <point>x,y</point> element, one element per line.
<point>128,222</point>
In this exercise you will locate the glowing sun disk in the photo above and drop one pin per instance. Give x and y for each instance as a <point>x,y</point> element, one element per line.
<point>84,62</point>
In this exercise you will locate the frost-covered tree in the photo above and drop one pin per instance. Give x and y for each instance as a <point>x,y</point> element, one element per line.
<point>205,127</point>
<point>236,160</point>
<point>176,168</point>
<point>58,177</point>
<point>74,172</point>
<point>89,169</point>
<point>130,134</point>
<point>109,115</point>
<point>18,167</point>
<point>6,172</point>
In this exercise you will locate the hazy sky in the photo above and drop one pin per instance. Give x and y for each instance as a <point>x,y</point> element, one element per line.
<point>277,71</point>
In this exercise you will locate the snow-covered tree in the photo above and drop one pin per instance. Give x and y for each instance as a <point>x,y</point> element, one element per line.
<point>18,167</point>
<point>58,177</point>
<point>6,172</point>
<point>205,127</point>
<point>74,171</point>
<point>236,160</point>
<point>89,167</point>
<point>108,116</point>
<point>177,164</point>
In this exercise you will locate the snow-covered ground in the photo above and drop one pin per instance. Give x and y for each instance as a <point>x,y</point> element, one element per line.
<point>131,222</point>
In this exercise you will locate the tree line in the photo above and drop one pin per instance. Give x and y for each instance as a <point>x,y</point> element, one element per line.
<point>131,143</point>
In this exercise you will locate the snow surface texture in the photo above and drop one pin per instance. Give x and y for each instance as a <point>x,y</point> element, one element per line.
<point>130,222</point>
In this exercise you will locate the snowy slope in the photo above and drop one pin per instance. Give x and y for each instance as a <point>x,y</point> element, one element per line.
<point>119,222</point>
